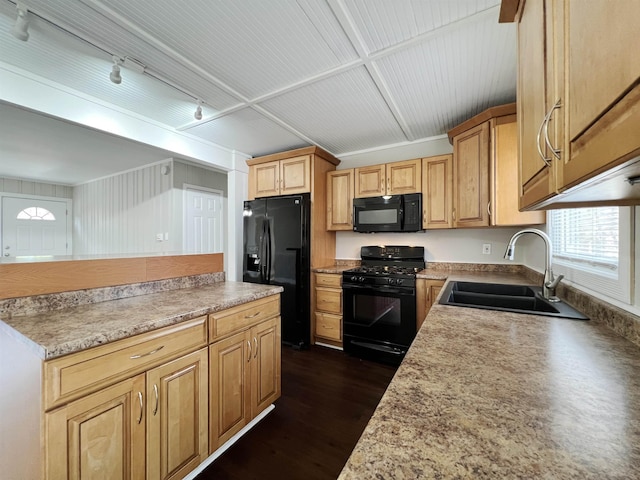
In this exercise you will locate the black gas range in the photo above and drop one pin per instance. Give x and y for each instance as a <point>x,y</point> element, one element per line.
<point>379,299</point>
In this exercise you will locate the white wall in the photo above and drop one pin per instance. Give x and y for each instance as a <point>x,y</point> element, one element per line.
<point>455,245</point>
<point>425,148</point>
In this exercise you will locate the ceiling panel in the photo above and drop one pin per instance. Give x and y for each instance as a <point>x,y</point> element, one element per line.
<point>347,75</point>
<point>450,78</point>
<point>256,46</point>
<point>342,113</point>
<point>383,23</point>
<point>249,132</point>
<point>108,38</point>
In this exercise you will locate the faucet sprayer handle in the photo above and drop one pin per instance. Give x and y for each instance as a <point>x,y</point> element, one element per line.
<point>553,283</point>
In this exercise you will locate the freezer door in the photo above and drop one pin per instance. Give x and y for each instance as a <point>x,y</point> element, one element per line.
<point>254,266</point>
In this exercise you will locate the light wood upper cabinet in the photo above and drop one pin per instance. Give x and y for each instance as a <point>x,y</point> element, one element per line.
<point>303,170</point>
<point>602,78</point>
<point>280,177</point>
<point>389,179</point>
<point>471,177</point>
<point>485,162</point>
<point>539,77</point>
<point>370,181</point>
<point>437,191</point>
<point>404,177</point>
<point>578,100</point>
<point>340,199</point>
<point>504,163</point>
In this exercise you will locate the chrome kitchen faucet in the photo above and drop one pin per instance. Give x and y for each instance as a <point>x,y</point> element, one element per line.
<point>549,283</point>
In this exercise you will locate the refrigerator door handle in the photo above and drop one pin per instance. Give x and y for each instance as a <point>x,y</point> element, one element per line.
<point>298,275</point>
<point>269,251</point>
<point>263,253</point>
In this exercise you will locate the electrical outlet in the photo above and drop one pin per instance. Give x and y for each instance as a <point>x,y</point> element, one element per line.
<point>159,237</point>
<point>486,249</point>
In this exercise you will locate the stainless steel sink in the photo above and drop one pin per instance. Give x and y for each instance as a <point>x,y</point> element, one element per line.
<point>506,297</point>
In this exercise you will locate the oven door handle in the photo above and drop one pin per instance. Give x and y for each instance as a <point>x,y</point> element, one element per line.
<point>381,289</point>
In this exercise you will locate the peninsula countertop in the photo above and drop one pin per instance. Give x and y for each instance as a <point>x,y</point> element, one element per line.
<point>488,394</point>
<point>60,332</point>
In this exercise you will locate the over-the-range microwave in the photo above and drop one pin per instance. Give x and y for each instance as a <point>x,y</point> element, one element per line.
<point>390,213</point>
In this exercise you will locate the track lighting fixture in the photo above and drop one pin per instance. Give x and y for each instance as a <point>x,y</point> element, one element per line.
<point>20,28</point>
<point>115,76</point>
<point>198,113</point>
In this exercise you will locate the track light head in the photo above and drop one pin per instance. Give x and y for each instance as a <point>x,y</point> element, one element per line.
<point>20,28</point>
<point>198,113</point>
<point>115,76</point>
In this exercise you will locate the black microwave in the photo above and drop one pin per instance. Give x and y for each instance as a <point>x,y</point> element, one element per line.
<point>390,213</point>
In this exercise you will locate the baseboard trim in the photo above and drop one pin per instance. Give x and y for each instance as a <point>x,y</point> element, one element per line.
<point>211,458</point>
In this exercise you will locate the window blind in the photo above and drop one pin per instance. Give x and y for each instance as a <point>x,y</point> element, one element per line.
<point>587,236</point>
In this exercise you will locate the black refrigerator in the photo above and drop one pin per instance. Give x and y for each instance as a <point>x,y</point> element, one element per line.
<point>276,252</point>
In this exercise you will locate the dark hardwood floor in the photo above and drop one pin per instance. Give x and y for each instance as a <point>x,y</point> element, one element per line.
<point>327,399</point>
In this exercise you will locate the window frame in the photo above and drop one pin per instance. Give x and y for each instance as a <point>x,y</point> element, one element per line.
<point>619,286</point>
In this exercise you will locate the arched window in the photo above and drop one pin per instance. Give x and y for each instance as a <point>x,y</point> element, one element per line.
<point>35,213</point>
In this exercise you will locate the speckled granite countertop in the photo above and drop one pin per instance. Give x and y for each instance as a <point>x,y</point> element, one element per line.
<point>487,394</point>
<point>60,332</point>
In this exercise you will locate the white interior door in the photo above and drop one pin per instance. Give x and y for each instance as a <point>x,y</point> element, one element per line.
<point>32,226</point>
<point>203,221</point>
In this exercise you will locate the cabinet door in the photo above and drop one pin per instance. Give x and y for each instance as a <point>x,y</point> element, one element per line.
<point>504,162</point>
<point>340,200</point>
<point>178,417</point>
<point>229,393</point>
<point>404,177</point>
<point>264,179</point>
<point>370,181</point>
<point>295,175</point>
<point>100,436</point>
<point>426,293</point>
<point>534,93</point>
<point>265,365</point>
<point>471,177</point>
<point>603,89</point>
<point>437,190</point>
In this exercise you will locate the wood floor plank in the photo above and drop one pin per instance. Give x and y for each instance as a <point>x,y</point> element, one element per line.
<point>327,400</point>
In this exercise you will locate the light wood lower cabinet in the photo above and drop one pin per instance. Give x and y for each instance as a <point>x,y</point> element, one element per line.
<point>328,308</point>
<point>155,423</point>
<point>245,378</point>
<point>98,437</point>
<point>426,293</point>
<point>154,406</point>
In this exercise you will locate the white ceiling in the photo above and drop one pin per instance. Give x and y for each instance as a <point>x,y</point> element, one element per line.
<point>347,75</point>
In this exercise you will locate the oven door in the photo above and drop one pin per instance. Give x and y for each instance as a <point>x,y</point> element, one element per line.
<point>379,318</point>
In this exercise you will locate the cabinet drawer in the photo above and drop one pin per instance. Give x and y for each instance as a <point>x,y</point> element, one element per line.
<point>227,322</point>
<point>70,377</point>
<point>329,326</point>
<point>329,300</point>
<point>328,280</point>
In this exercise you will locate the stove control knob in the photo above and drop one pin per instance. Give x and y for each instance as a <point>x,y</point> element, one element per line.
<point>354,278</point>
<point>361,279</point>
<point>399,281</point>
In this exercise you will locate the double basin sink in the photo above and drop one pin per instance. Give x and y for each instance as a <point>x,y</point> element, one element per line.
<point>507,298</point>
